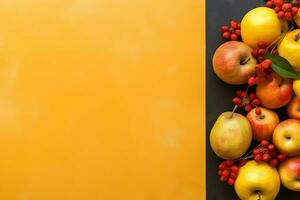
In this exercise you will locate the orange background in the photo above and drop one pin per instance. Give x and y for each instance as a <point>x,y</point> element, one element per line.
<point>102,100</point>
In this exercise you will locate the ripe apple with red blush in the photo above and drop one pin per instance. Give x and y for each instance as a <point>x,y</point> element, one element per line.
<point>286,137</point>
<point>233,62</point>
<point>293,108</point>
<point>274,91</point>
<point>289,172</point>
<point>263,123</point>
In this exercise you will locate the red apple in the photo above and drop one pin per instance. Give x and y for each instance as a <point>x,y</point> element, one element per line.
<point>286,137</point>
<point>293,108</point>
<point>263,125</point>
<point>233,62</point>
<point>275,92</point>
<point>289,172</point>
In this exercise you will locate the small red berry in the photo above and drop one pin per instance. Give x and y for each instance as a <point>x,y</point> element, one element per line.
<point>223,178</point>
<point>269,4</point>
<point>262,44</point>
<point>266,157</point>
<point>252,96</point>
<point>266,63</point>
<point>234,37</point>
<point>254,53</point>
<point>225,29</point>
<point>243,162</point>
<point>256,151</point>
<point>295,11</point>
<point>257,111</point>
<point>273,163</point>
<point>238,32</point>
<point>258,158</point>
<point>233,175</point>
<point>288,15</point>
<point>222,166</point>
<point>251,81</point>
<point>281,157</point>
<point>258,66</point>
<point>256,102</point>
<point>281,14</point>
<point>275,52</point>
<point>271,147</point>
<point>233,24</point>
<point>261,58</point>
<point>295,3</point>
<point>238,93</point>
<point>243,94</point>
<point>236,100</point>
<point>226,35</point>
<point>229,163</point>
<point>234,169</point>
<point>225,173</point>
<point>287,6</point>
<point>278,3</point>
<point>264,143</point>
<point>230,181</point>
<point>277,9</point>
<point>261,52</point>
<point>248,108</point>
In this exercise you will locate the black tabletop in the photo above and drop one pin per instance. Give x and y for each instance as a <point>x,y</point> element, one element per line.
<point>219,94</point>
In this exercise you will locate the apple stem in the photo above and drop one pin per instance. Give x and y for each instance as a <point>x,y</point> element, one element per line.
<point>247,157</point>
<point>233,111</point>
<point>275,42</point>
<point>245,61</point>
<point>259,195</point>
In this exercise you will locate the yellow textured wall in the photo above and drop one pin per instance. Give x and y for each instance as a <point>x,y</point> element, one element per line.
<point>101,100</point>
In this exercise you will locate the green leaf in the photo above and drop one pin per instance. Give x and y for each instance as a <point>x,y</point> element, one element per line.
<point>282,66</point>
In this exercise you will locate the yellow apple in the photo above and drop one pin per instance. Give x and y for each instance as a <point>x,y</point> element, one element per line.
<point>260,24</point>
<point>289,172</point>
<point>286,137</point>
<point>296,87</point>
<point>257,181</point>
<point>289,48</point>
<point>297,18</point>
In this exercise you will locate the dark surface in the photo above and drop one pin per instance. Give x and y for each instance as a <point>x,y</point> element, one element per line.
<point>219,94</point>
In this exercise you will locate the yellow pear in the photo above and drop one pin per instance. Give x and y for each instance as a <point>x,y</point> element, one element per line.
<point>231,135</point>
<point>257,181</point>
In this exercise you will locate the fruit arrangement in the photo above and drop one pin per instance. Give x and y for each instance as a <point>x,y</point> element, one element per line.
<point>261,55</point>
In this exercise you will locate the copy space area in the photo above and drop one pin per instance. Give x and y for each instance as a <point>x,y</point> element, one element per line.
<point>100,100</point>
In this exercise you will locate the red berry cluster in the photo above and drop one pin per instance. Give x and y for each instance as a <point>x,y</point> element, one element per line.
<point>262,70</point>
<point>284,10</point>
<point>232,32</point>
<point>259,52</point>
<point>267,152</point>
<point>228,172</point>
<point>246,101</point>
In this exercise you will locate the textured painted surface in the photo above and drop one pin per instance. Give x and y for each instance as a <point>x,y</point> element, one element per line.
<point>101,100</point>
